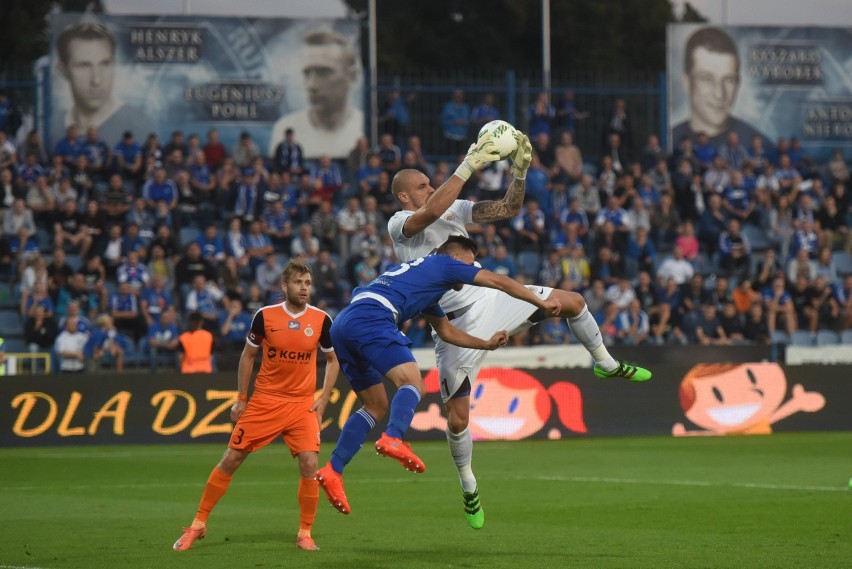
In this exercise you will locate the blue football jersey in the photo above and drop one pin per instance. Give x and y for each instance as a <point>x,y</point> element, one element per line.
<point>418,285</point>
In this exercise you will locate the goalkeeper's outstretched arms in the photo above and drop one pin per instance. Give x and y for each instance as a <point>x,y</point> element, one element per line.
<point>487,211</point>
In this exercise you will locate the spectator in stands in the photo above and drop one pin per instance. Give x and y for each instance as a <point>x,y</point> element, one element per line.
<point>128,154</point>
<point>159,189</point>
<point>58,272</point>
<point>744,296</point>
<point>70,347</point>
<point>732,324</point>
<point>214,151</point>
<point>324,272</point>
<point>125,311</point>
<point>500,262</point>
<point>676,267</point>
<point>734,251</point>
<point>288,156</point>
<point>40,331</point>
<point>268,276</point>
<point>825,305</point>
<point>236,245</point>
<point>621,293</point>
<point>204,298</point>
<point>162,338</point>
<point>106,346</point>
<point>258,246</point>
<point>708,329</point>
<point>619,124</point>
<point>833,226</point>
<point>327,183</point>
<point>211,244</point>
<point>455,120</point>
<point>802,265</point>
<point>235,322</point>
<point>778,304</point>
<point>641,253</point>
<point>541,116</point>
<point>229,278</point>
<point>756,328</point>
<point>325,227</point>
<point>195,347</point>
<point>576,268</point>
<point>483,113</point>
<point>155,299</point>
<point>193,264</point>
<point>134,272</point>
<point>632,325</point>
<point>38,297</point>
<point>390,155</point>
<point>19,217</point>
<point>606,267</point>
<point>304,244</point>
<point>531,228</point>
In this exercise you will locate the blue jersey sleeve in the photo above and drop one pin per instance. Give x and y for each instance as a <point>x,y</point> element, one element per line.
<point>456,271</point>
<point>435,310</point>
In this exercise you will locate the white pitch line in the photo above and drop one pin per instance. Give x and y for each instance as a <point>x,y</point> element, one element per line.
<point>20,567</point>
<point>438,479</point>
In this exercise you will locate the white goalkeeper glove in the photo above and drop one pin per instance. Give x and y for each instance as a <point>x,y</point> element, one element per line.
<point>522,157</point>
<point>478,155</point>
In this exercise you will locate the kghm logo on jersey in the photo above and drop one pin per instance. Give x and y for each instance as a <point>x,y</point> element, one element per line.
<point>294,325</point>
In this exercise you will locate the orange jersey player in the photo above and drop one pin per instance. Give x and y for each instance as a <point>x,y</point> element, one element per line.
<point>287,335</point>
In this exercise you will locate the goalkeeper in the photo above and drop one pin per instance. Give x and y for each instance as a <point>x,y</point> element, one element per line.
<point>427,219</point>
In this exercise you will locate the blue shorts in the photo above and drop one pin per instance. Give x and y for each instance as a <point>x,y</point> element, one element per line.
<point>368,343</point>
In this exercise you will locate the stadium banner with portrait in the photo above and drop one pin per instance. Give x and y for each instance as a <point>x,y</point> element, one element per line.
<point>772,82</point>
<point>158,74</point>
<point>506,404</point>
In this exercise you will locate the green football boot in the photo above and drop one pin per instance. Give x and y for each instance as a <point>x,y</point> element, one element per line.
<point>473,511</point>
<point>625,370</point>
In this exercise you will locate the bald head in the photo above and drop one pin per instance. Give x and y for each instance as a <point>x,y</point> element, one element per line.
<point>403,181</point>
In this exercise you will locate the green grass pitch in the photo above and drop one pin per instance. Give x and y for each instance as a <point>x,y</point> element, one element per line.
<point>656,502</point>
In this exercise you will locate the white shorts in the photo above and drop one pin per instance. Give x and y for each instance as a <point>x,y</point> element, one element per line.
<point>492,311</point>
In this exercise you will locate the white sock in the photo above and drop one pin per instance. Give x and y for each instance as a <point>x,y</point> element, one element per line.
<point>461,447</point>
<point>586,330</point>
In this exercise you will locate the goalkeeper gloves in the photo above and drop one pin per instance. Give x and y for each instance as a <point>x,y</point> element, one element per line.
<point>522,157</point>
<point>478,155</point>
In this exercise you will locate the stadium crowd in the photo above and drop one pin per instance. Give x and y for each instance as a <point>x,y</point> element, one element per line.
<point>109,246</point>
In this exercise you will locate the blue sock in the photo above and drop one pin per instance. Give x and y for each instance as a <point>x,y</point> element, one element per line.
<point>352,436</point>
<point>402,410</point>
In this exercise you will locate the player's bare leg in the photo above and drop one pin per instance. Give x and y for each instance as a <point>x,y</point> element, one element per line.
<point>586,330</point>
<point>461,448</point>
<point>308,500</point>
<point>217,485</point>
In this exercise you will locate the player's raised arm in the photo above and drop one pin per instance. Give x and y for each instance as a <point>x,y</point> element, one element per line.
<point>407,182</point>
<point>452,335</point>
<point>493,210</point>
<point>513,288</point>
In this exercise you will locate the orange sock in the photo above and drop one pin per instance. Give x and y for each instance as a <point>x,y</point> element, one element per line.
<point>217,485</point>
<point>308,502</point>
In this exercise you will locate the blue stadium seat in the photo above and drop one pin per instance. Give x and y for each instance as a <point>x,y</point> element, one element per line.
<point>846,337</point>
<point>10,324</point>
<point>802,338</point>
<point>780,337</point>
<point>827,338</point>
<point>843,262</point>
<point>188,235</point>
<point>757,237</point>
<point>529,263</point>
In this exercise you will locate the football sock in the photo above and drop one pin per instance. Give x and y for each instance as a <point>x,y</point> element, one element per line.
<point>308,502</point>
<point>217,485</point>
<point>402,410</point>
<point>586,330</point>
<point>461,447</point>
<point>352,436</point>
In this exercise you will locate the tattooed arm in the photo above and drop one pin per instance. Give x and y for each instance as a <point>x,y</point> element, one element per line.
<point>510,206</point>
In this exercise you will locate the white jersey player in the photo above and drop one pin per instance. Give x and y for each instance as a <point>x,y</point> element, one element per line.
<point>421,227</point>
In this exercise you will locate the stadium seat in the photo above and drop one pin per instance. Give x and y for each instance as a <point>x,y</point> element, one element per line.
<point>75,262</point>
<point>188,235</point>
<point>15,345</point>
<point>843,262</point>
<point>757,237</point>
<point>780,337</point>
<point>10,324</point>
<point>529,264</point>
<point>802,338</point>
<point>827,338</point>
<point>846,337</point>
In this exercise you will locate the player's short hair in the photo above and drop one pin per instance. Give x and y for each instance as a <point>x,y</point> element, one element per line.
<point>84,30</point>
<point>195,321</point>
<point>292,269</point>
<point>457,242</point>
<point>712,39</point>
<point>326,36</point>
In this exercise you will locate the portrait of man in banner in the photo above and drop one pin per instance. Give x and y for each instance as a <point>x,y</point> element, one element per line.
<point>330,123</point>
<point>86,59</point>
<point>711,80</point>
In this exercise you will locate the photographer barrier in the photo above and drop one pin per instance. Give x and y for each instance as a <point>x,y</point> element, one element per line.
<point>506,404</point>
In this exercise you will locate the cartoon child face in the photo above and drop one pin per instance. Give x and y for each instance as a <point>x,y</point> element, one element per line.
<point>498,411</point>
<point>735,398</point>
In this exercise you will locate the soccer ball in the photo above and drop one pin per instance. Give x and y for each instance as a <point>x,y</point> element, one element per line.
<point>503,135</point>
